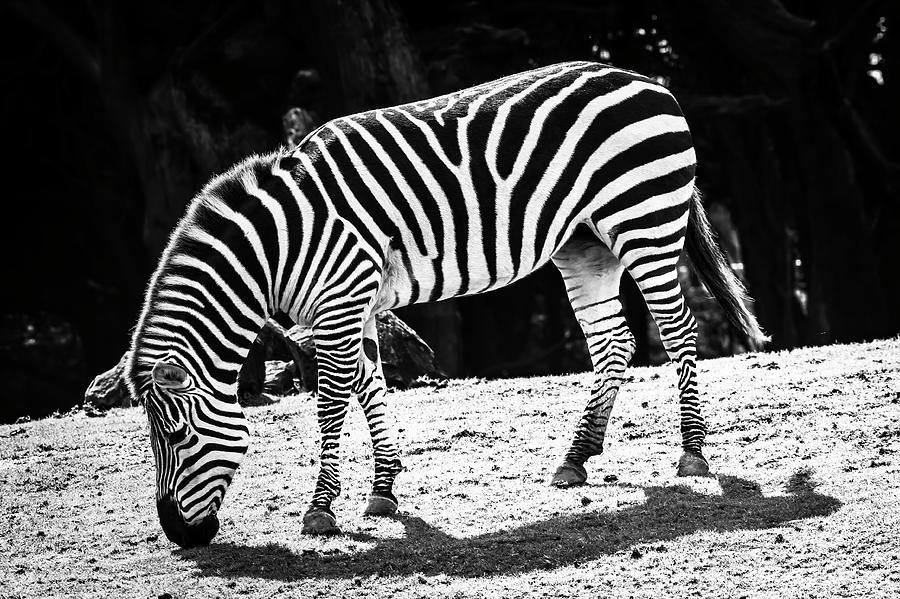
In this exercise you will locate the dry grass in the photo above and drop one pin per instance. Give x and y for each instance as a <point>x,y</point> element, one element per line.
<point>805,445</point>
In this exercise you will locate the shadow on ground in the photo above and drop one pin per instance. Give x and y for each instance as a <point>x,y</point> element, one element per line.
<point>669,512</point>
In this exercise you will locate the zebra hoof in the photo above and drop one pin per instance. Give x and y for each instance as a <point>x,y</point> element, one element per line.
<point>379,505</point>
<point>692,464</point>
<point>317,521</point>
<point>569,475</point>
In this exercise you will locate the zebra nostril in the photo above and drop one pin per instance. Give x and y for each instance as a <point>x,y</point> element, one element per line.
<point>204,532</point>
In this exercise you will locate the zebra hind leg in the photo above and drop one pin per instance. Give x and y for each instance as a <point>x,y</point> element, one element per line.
<point>370,391</point>
<point>592,275</point>
<point>659,284</point>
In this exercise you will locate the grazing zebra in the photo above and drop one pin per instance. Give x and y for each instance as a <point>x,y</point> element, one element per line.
<point>585,165</point>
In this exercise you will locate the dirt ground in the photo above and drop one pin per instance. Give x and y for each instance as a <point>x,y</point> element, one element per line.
<point>805,447</point>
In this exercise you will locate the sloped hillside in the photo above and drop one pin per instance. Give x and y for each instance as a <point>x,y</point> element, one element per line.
<point>805,446</point>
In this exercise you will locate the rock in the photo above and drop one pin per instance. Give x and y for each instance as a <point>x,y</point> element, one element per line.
<point>257,376</point>
<point>280,377</point>
<point>405,357</point>
<point>108,389</point>
<point>302,340</point>
<point>297,123</point>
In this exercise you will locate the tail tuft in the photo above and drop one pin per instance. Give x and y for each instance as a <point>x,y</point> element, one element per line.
<point>714,271</point>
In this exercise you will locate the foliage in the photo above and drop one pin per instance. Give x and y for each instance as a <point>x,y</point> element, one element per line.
<point>118,113</point>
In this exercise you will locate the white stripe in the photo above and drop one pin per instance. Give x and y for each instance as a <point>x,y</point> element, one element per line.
<point>281,230</point>
<point>653,232</point>
<point>652,204</point>
<point>305,241</point>
<point>203,237</point>
<point>248,229</point>
<point>217,333</point>
<point>574,135</point>
<point>220,310</point>
<point>191,262</point>
<point>449,264</point>
<point>405,190</point>
<point>506,186</point>
<point>618,186</point>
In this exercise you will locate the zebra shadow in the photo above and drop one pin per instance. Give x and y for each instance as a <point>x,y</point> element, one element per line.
<point>668,513</point>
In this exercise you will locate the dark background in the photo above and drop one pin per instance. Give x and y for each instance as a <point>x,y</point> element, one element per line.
<point>116,113</point>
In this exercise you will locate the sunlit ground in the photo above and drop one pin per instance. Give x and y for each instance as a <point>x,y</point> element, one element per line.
<point>804,447</point>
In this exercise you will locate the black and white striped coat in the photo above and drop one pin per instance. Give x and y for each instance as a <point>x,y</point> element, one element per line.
<point>583,164</point>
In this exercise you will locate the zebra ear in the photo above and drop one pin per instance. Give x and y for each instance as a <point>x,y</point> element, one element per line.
<point>170,376</point>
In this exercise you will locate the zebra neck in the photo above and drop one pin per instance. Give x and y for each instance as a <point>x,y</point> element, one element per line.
<point>211,296</point>
<point>204,317</point>
<point>248,247</point>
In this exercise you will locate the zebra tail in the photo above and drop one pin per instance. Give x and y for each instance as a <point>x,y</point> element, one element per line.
<point>714,271</point>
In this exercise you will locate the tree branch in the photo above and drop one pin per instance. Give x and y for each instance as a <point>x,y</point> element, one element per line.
<point>841,37</point>
<point>71,44</point>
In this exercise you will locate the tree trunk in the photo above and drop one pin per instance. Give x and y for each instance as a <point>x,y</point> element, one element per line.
<point>847,301</point>
<point>762,207</point>
<point>829,175</point>
<point>364,55</point>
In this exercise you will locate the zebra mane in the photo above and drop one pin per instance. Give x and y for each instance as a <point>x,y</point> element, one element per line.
<point>249,171</point>
<point>254,167</point>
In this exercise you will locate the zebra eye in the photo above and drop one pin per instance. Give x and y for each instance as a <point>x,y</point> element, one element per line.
<point>170,376</point>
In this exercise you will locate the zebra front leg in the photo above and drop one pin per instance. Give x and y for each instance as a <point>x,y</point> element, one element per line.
<point>337,354</point>
<point>371,391</point>
<point>592,275</point>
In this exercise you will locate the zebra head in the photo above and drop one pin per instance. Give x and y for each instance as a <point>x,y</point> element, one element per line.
<point>199,438</point>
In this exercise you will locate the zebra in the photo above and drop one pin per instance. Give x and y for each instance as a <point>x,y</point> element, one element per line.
<point>580,164</point>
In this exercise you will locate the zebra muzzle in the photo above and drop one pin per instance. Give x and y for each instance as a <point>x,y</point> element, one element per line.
<point>180,532</point>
